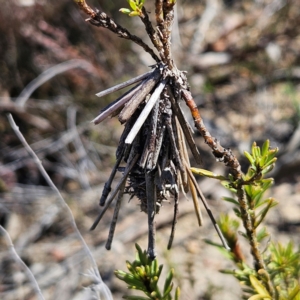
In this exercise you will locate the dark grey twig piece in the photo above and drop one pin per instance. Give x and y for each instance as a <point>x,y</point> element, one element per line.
<point>146,111</point>
<point>115,217</point>
<point>152,34</point>
<point>114,193</point>
<point>185,128</point>
<point>137,99</point>
<point>117,104</point>
<point>174,150</point>
<point>174,222</point>
<point>107,185</point>
<point>151,205</point>
<point>207,208</point>
<point>159,13</point>
<point>124,84</point>
<point>150,142</point>
<point>19,261</point>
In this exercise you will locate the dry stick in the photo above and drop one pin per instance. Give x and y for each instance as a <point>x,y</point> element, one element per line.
<point>124,135</point>
<point>114,193</point>
<point>101,19</point>
<point>159,13</point>
<point>146,111</point>
<point>139,96</point>
<point>183,154</point>
<point>149,147</point>
<point>152,34</point>
<point>174,221</point>
<point>117,104</point>
<point>186,179</point>
<point>115,217</point>
<point>168,13</point>
<point>186,129</point>
<point>124,84</point>
<point>193,190</point>
<point>105,290</point>
<point>207,208</point>
<point>19,261</point>
<point>151,210</point>
<point>107,185</point>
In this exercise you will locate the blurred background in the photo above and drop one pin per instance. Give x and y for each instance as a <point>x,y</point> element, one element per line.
<point>243,64</point>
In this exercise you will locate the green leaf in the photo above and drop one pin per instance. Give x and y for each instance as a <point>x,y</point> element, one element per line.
<point>259,288</point>
<point>262,234</point>
<point>134,14</point>
<point>126,11</point>
<point>294,292</point>
<point>228,199</point>
<point>249,157</point>
<point>177,293</point>
<point>132,4</point>
<point>265,147</point>
<point>168,280</point>
<point>207,173</point>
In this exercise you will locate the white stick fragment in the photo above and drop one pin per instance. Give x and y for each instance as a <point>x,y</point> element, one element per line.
<point>124,84</point>
<point>145,113</point>
<point>22,264</point>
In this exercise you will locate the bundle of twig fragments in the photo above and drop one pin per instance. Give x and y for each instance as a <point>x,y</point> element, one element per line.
<point>153,143</point>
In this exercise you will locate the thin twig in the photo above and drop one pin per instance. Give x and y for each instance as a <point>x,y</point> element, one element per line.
<point>101,19</point>
<point>174,221</point>
<point>219,152</point>
<point>152,34</point>
<point>107,185</point>
<point>115,217</point>
<point>151,205</point>
<point>114,193</point>
<point>186,129</point>
<point>47,178</point>
<point>124,84</point>
<point>19,261</point>
<point>48,74</point>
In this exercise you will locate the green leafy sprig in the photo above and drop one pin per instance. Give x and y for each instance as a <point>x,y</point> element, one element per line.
<point>144,275</point>
<point>136,8</point>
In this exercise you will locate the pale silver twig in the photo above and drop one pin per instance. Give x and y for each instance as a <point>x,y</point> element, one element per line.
<point>18,259</point>
<point>47,178</point>
<point>48,74</point>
